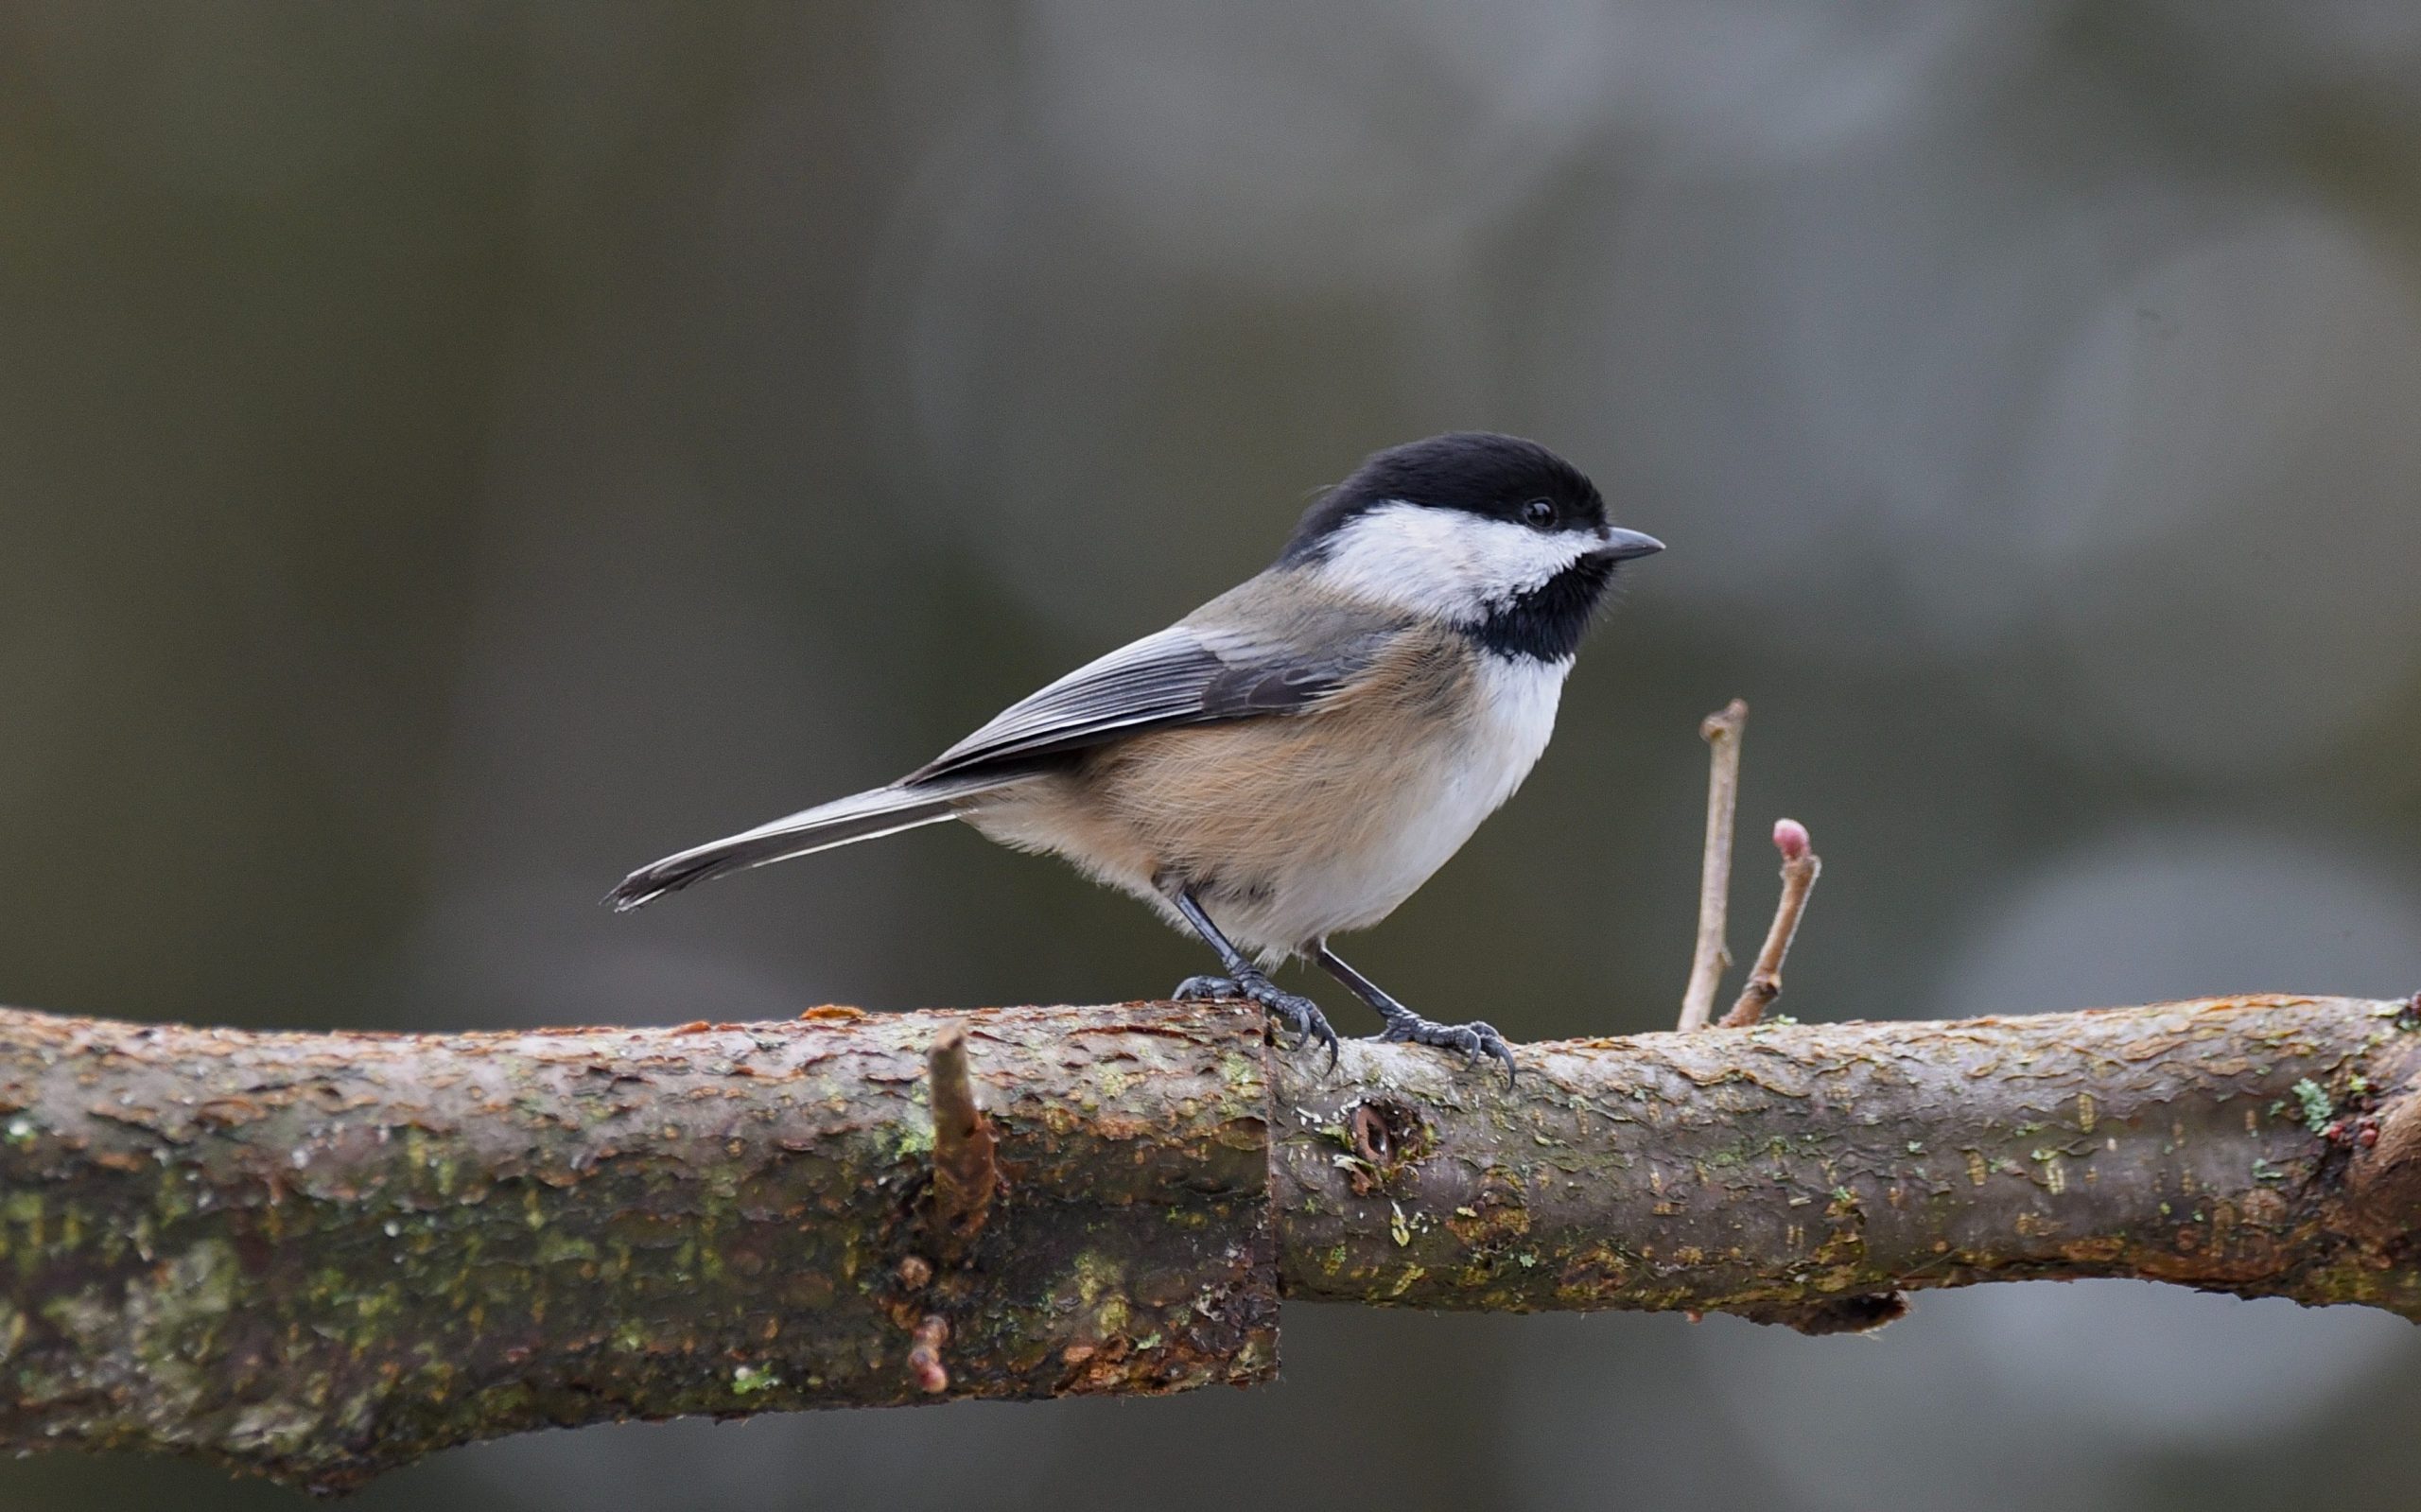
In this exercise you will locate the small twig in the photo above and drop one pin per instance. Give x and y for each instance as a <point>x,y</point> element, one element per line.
<point>964,1172</point>
<point>1721,731</point>
<point>1799,868</point>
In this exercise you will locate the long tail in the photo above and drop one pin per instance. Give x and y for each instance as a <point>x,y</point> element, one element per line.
<point>860,816</point>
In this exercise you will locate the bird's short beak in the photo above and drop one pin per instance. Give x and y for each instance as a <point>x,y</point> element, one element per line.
<point>1621,546</point>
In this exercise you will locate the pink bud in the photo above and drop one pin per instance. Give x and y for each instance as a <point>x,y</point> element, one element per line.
<point>1790,838</point>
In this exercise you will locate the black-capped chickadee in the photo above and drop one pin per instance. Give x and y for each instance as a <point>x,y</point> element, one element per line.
<point>1295,758</point>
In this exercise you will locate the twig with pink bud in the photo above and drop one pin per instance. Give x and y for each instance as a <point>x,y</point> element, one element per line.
<point>1799,867</point>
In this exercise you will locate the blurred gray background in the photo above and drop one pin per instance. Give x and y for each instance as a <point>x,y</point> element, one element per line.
<point>450,453</point>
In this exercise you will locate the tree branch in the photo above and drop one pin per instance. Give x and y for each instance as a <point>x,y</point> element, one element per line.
<point>317,1256</point>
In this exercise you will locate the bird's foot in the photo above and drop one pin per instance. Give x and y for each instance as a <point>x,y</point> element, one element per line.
<point>1293,1010</point>
<point>1473,1039</point>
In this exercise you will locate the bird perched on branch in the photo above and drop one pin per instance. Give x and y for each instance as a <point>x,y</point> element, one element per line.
<point>1293,759</point>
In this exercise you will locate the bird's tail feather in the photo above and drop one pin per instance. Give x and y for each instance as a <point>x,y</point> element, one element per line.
<point>860,816</point>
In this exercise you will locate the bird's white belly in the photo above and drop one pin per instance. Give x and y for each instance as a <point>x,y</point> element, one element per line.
<point>1419,822</point>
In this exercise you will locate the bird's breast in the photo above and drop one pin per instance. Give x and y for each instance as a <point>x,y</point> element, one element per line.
<point>1456,778</point>
<point>1376,799</point>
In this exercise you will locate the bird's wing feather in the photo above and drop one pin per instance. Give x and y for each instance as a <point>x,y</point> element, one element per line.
<point>1186,675</point>
<point>1195,672</point>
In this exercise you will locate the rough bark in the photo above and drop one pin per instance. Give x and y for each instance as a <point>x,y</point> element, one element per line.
<point>319,1255</point>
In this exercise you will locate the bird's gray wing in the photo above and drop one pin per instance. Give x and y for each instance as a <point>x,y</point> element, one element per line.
<point>1186,675</point>
<point>1198,670</point>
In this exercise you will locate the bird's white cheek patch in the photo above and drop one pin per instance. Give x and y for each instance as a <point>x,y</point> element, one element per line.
<point>1443,564</point>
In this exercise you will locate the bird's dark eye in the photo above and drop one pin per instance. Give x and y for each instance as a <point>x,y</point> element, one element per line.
<point>1538,513</point>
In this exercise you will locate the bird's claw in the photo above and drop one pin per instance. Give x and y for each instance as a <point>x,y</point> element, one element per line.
<point>1473,1039</point>
<point>1293,1010</point>
<point>1296,1013</point>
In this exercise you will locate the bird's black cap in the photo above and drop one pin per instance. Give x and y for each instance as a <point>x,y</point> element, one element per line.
<point>1478,472</point>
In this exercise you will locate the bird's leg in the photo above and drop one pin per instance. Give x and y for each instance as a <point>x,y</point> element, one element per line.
<point>1244,980</point>
<point>1473,1039</point>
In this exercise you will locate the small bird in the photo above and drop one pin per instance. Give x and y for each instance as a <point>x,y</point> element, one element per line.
<point>1293,759</point>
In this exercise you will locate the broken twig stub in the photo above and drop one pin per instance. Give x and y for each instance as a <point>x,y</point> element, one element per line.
<point>964,1172</point>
